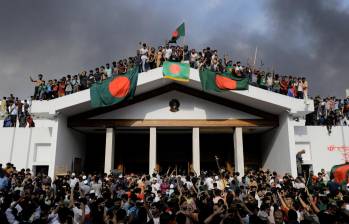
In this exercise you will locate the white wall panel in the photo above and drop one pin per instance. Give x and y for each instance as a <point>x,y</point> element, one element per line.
<point>70,144</point>
<point>277,145</point>
<point>6,140</point>
<point>18,146</point>
<point>42,152</point>
<point>21,147</point>
<point>319,140</point>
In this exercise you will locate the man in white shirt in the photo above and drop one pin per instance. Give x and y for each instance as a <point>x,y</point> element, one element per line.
<point>325,176</point>
<point>96,186</point>
<point>188,183</point>
<point>13,111</point>
<point>155,186</point>
<point>9,212</point>
<point>209,183</point>
<point>214,56</point>
<point>108,70</point>
<point>155,212</point>
<point>219,183</point>
<point>144,56</point>
<point>85,188</point>
<point>193,58</point>
<point>168,52</point>
<point>238,67</point>
<point>73,180</point>
<point>298,184</point>
<point>300,94</point>
<point>78,213</point>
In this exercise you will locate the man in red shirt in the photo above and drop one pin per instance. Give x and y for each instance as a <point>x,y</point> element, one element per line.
<point>284,85</point>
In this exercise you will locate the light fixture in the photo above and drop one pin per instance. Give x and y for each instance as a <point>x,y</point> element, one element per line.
<point>174,105</point>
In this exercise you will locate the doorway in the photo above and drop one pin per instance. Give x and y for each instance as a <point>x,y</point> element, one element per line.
<point>174,150</point>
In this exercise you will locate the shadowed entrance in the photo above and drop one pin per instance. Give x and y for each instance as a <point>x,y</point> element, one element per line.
<point>216,144</point>
<point>174,148</point>
<point>132,151</point>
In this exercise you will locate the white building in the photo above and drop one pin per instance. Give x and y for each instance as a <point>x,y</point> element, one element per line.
<point>252,128</point>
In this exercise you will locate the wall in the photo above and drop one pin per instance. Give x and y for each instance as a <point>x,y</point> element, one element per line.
<point>6,138</point>
<point>70,144</point>
<point>52,106</point>
<point>277,145</point>
<point>51,143</point>
<point>26,147</point>
<point>190,108</point>
<point>315,139</point>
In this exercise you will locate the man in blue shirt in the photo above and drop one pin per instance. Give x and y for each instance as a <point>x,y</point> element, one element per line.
<point>3,180</point>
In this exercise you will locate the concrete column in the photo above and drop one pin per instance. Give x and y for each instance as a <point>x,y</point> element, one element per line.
<point>239,151</point>
<point>196,150</point>
<point>109,150</point>
<point>152,150</point>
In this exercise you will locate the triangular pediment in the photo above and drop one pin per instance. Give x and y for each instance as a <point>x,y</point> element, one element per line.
<point>191,107</point>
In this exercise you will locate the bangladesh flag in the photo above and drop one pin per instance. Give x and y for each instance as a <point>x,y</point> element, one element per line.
<point>176,71</point>
<point>340,173</point>
<point>219,82</point>
<point>179,32</point>
<point>114,89</point>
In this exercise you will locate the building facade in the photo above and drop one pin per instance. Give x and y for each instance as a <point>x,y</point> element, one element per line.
<point>235,130</point>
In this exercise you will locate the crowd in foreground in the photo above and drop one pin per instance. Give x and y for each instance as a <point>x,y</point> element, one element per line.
<point>15,112</point>
<point>149,58</point>
<point>171,198</point>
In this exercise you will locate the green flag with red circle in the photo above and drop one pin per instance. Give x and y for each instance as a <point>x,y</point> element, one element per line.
<point>179,32</point>
<point>218,82</point>
<point>340,173</point>
<point>176,71</point>
<point>114,89</point>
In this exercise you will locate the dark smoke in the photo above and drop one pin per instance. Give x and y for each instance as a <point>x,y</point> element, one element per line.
<point>306,38</point>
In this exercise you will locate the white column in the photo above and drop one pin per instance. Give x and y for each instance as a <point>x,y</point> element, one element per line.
<point>196,150</point>
<point>109,150</point>
<point>152,150</point>
<point>238,151</point>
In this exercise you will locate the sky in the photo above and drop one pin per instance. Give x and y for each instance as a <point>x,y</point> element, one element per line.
<point>56,38</point>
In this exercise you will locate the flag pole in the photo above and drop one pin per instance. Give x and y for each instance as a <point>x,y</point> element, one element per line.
<point>185,34</point>
<point>183,44</point>
<point>273,70</point>
<point>255,56</point>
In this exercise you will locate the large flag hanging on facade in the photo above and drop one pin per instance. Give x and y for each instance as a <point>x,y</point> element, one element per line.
<point>179,32</point>
<point>219,82</point>
<point>114,89</point>
<point>176,71</point>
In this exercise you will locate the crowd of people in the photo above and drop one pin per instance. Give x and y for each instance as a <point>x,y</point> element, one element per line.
<point>73,83</point>
<point>15,112</point>
<point>329,112</point>
<point>149,58</point>
<point>171,198</point>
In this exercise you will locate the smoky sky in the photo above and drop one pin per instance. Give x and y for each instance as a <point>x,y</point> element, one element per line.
<point>56,38</point>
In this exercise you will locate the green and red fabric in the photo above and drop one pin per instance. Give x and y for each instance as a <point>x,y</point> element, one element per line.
<point>218,82</point>
<point>340,173</point>
<point>179,32</point>
<point>176,71</point>
<point>114,89</point>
